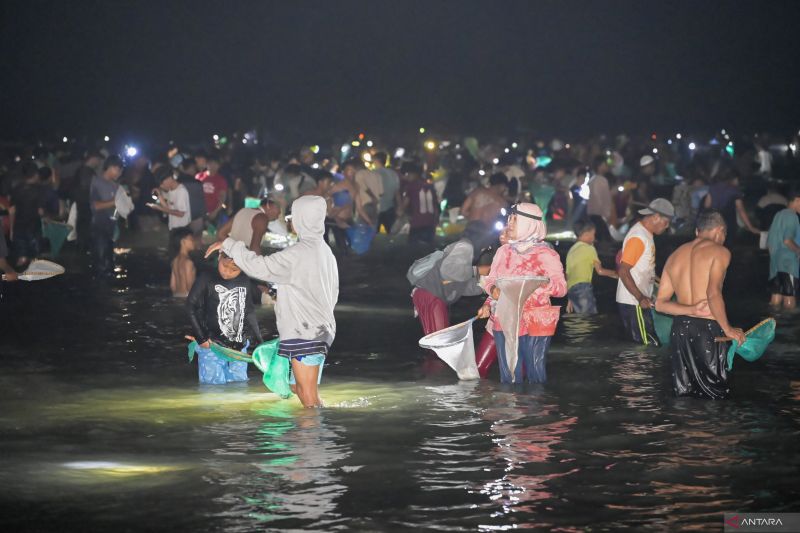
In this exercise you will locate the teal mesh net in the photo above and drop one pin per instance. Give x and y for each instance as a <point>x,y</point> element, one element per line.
<point>663,324</point>
<point>756,341</point>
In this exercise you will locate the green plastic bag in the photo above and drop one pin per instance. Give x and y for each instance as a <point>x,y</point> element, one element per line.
<point>663,324</point>
<point>274,367</point>
<point>222,351</point>
<point>756,341</point>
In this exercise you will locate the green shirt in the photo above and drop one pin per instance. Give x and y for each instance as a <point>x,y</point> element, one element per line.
<point>580,263</point>
<point>785,226</point>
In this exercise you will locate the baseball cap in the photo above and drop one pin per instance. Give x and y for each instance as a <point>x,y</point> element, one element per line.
<point>646,160</point>
<point>659,206</point>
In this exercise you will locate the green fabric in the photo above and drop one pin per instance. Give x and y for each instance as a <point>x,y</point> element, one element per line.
<point>274,367</point>
<point>56,234</point>
<point>781,258</point>
<point>222,351</point>
<point>580,263</point>
<point>663,324</point>
<point>755,343</point>
<point>542,194</point>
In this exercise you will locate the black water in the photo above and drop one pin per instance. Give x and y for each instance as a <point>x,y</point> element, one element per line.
<point>104,427</point>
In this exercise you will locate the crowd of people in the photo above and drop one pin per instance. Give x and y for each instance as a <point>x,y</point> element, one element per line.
<point>501,193</point>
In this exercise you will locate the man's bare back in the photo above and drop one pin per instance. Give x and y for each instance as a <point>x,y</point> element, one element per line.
<point>483,204</point>
<point>689,267</point>
<point>694,274</point>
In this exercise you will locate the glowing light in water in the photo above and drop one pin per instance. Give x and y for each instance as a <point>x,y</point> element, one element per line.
<point>114,469</point>
<point>499,226</point>
<point>692,146</point>
<point>131,151</point>
<point>279,186</point>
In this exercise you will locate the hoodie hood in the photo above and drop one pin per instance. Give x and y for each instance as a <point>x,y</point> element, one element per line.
<point>308,217</point>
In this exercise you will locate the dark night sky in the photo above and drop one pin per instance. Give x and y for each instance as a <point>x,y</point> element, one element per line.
<point>181,68</point>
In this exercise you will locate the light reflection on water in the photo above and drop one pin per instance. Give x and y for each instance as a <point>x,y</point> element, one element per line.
<point>104,425</point>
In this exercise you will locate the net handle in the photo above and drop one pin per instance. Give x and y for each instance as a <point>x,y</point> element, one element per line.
<point>746,333</point>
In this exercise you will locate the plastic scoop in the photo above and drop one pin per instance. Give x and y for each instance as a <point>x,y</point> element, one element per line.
<point>455,347</point>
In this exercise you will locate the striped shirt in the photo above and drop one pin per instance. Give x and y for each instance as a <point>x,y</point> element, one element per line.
<point>297,347</point>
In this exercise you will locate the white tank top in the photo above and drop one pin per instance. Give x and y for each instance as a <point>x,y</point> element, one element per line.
<point>242,229</point>
<point>644,271</point>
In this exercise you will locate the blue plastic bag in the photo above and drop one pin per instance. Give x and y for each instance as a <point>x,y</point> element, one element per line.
<point>360,236</point>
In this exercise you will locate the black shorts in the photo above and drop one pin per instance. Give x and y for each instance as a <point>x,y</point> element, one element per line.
<point>784,284</point>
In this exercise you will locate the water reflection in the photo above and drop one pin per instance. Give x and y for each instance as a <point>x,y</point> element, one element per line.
<point>526,433</point>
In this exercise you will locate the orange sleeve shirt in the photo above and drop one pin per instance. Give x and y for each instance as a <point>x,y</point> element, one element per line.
<point>632,251</point>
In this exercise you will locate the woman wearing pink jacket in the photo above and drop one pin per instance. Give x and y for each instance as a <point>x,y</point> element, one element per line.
<point>525,255</point>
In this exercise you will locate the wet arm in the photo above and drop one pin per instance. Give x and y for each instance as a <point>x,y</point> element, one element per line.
<point>624,272</point>
<point>598,267</point>
<point>276,268</point>
<point>664,303</point>
<point>714,292</point>
<point>259,226</point>
<point>792,245</point>
<point>743,214</point>
<point>196,304</point>
<point>553,269</point>
<point>225,230</point>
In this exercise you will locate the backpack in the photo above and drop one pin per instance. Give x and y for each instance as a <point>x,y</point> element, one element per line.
<point>420,268</point>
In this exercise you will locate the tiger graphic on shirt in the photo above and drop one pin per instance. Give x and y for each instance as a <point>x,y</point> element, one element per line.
<point>231,311</point>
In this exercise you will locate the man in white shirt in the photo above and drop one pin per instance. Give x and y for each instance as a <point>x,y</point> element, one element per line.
<point>370,189</point>
<point>173,199</point>
<point>600,207</point>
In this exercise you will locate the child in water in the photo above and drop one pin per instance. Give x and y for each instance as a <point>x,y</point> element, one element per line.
<point>182,243</point>
<point>221,309</point>
<point>582,263</point>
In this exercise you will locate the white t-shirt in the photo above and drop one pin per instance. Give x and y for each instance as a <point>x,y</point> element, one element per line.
<point>178,199</point>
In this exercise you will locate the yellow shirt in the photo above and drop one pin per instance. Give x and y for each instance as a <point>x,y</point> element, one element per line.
<point>580,263</point>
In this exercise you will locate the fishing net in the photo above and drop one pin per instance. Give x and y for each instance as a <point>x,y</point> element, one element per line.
<point>542,195</point>
<point>223,351</point>
<point>274,367</point>
<point>454,346</point>
<point>513,294</point>
<point>663,324</point>
<point>41,269</point>
<point>756,341</point>
<point>56,233</point>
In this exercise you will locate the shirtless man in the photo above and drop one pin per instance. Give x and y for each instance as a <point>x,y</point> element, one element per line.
<point>694,273</point>
<point>484,203</point>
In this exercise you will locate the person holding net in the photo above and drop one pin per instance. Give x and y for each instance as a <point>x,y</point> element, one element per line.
<point>524,274</point>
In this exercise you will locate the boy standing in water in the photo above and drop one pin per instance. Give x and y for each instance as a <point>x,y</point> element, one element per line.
<point>308,284</point>
<point>182,243</point>
<point>582,263</point>
<point>221,310</point>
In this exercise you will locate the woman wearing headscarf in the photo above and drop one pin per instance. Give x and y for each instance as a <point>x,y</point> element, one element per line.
<point>526,255</point>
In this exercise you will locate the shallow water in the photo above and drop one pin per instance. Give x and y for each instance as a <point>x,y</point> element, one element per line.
<point>104,426</point>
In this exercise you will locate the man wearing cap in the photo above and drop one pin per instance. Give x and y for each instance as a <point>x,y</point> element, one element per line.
<point>647,169</point>
<point>637,271</point>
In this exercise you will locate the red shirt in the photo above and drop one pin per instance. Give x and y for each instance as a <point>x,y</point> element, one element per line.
<point>212,185</point>
<point>423,209</point>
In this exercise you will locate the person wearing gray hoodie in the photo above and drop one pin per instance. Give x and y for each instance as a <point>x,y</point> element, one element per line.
<point>307,280</point>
